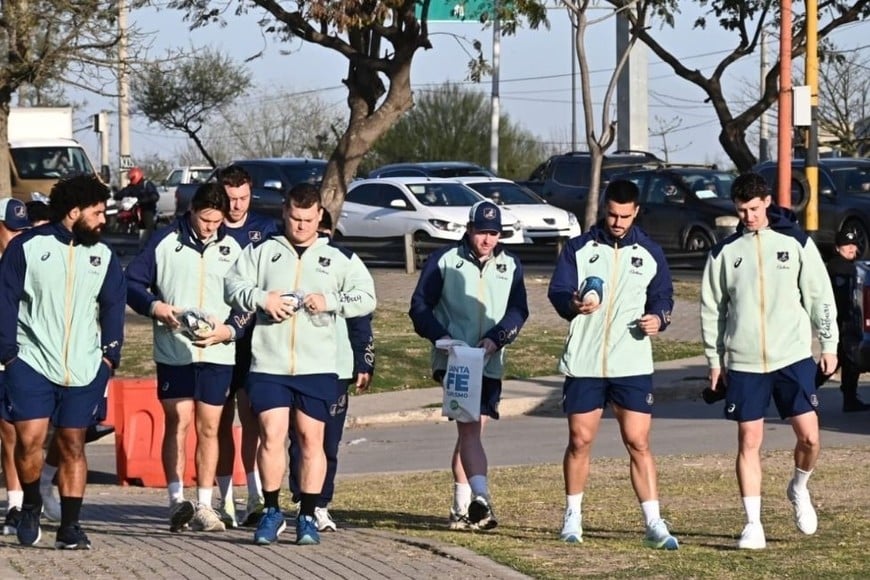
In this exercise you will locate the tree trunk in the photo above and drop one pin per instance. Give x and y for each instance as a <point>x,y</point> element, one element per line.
<point>733,141</point>
<point>5,161</point>
<point>596,161</point>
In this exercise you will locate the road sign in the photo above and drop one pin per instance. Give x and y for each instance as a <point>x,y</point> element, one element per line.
<point>126,161</point>
<point>456,10</point>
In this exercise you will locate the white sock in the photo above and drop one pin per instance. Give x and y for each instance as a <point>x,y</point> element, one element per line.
<point>47,476</point>
<point>574,502</point>
<point>203,495</point>
<point>176,492</point>
<point>461,497</point>
<point>255,488</point>
<point>14,499</point>
<point>478,485</point>
<point>800,479</point>
<point>225,485</point>
<point>752,506</point>
<point>651,511</point>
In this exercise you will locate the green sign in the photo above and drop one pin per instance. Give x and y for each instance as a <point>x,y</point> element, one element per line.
<point>456,10</point>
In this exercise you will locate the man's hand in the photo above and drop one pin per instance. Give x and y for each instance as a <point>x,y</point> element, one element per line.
<point>583,307</point>
<point>714,375</point>
<point>277,308</point>
<point>107,362</point>
<point>362,383</point>
<point>221,333</point>
<point>314,303</point>
<point>828,363</point>
<point>649,324</point>
<point>488,346</point>
<point>165,313</point>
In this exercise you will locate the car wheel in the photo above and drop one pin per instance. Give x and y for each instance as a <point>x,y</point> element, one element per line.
<point>698,241</point>
<point>863,238</point>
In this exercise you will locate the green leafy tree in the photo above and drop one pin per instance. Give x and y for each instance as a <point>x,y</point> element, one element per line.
<point>71,42</point>
<point>746,19</point>
<point>453,123</point>
<point>378,38</point>
<point>184,94</point>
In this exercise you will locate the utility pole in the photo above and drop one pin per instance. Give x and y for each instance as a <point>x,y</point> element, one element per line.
<point>495,105</point>
<point>632,105</point>
<point>573,83</point>
<point>125,161</point>
<point>784,121</point>
<point>764,130</point>
<point>812,161</point>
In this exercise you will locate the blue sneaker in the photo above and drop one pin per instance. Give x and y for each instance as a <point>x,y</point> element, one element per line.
<point>306,531</point>
<point>271,524</point>
<point>28,530</point>
<point>658,537</point>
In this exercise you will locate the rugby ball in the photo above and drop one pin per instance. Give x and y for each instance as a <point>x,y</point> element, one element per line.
<point>591,292</point>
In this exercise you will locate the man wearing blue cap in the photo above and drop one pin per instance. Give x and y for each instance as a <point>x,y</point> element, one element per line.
<point>474,292</point>
<point>13,221</point>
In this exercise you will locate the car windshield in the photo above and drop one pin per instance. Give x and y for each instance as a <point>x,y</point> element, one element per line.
<point>709,184</point>
<point>504,192</point>
<point>199,175</point>
<point>443,194</point>
<point>50,162</point>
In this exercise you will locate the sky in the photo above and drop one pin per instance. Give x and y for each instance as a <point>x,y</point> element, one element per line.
<point>535,76</point>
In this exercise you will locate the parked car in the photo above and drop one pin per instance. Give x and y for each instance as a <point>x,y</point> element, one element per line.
<point>844,197</point>
<point>563,180</point>
<point>685,208</point>
<point>542,222</point>
<point>430,169</point>
<point>427,207</point>
<point>271,177</point>
<point>179,175</point>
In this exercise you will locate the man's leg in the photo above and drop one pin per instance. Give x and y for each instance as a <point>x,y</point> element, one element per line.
<point>475,466</point>
<point>71,479</point>
<point>226,461</point>
<point>634,427</point>
<point>14,495</point>
<point>50,504</point>
<point>250,442</point>
<point>312,472</point>
<point>750,435</point>
<point>178,416</point>
<point>208,418</point>
<point>806,453</point>
<point>582,430</point>
<point>30,438</point>
<point>272,462</point>
<point>333,431</point>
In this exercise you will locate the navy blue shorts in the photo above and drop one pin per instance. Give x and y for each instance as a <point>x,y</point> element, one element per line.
<point>793,390</point>
<point>205,382</point>
<point>29,395</point>
<point>315,395</point>
<point>585,394</point>
<point>3,414</point>
<point>489,397</point>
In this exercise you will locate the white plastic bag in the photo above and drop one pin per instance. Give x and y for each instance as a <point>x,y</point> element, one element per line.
<point>463,381</point>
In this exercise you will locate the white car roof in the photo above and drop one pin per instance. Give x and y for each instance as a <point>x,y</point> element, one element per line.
<point>404,180</point>
<point>18,143</point>
<point>481,179</point>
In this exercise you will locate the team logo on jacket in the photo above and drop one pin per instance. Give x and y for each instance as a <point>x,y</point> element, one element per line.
<point>502,268</point>
<point>95,261</point>
<point>276,257</point>
<point>224,250</point>
<point>594,258</point>
<point>45,256</point>
<point>636,262</point>
<point>782,256</point>
<point>255,235</point>
<point>324,261</point>
<point>737,262</point>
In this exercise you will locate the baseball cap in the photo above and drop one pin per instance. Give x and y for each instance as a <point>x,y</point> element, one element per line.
<point>13,214</point>
<point>485,216</point>
<point>846,237</point>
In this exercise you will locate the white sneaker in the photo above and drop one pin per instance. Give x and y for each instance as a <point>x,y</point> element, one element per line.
<point>227,514</point>
<point>50,503</point>
<point>658,537</point>
<point>805,517</point>
<point>205,519</point>
<point>324,521</point>
<point>572,528</point>
<point>460,521</point>
<point>752,538</point>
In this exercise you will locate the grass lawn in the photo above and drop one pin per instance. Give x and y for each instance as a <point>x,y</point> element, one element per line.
<point>699,499</point>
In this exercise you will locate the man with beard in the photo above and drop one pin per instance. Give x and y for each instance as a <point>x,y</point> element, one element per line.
<point>60,337</point>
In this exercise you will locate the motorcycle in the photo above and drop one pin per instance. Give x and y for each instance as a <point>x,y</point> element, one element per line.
<point>123,216</point>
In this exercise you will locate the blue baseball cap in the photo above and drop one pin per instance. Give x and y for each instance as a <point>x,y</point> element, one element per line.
<point>13,214</point>
<point>485,216</point>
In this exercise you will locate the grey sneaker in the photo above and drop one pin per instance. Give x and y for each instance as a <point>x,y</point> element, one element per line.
<point>180,514</point>
<point>205,519</point>
<point>324,520</point>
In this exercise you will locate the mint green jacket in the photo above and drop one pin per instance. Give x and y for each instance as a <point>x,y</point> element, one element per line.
<point>762,294</point>
<point>299,346</point>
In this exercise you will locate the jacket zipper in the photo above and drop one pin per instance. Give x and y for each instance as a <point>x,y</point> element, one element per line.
<point>70,286</point>
<point>611,293</point>
<point>293,320</point>
<point>762,301</point>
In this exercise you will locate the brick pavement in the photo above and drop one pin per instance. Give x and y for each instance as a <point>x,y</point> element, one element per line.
<point>130,536</point>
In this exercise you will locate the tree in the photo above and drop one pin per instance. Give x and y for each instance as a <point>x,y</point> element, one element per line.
<point>70,41</point>
<point>378,76</point>
<point>182,94</point>
<point>453,121</point>
<point>662,129</point>
<point>844,100</point>
<point>746,19</point>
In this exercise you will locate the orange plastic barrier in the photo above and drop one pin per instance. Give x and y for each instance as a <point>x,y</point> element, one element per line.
<point>138,419</point>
